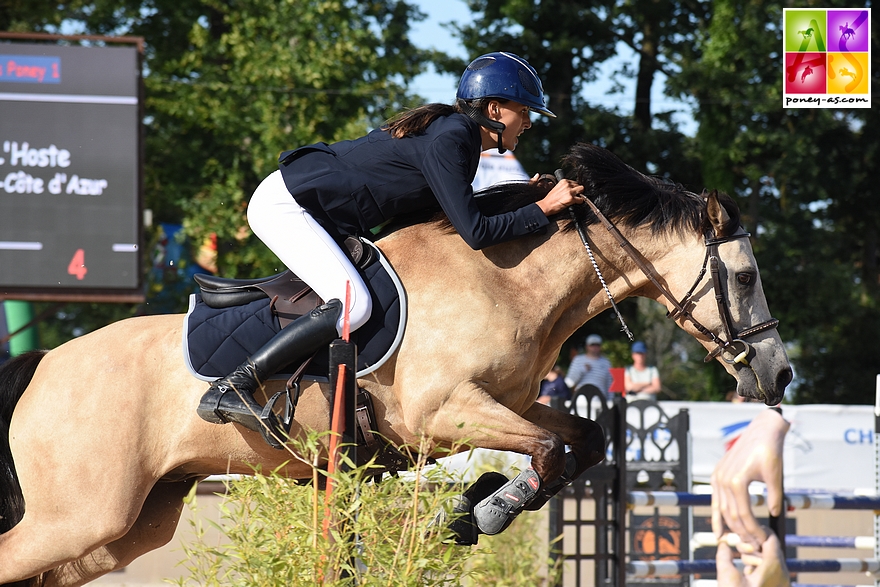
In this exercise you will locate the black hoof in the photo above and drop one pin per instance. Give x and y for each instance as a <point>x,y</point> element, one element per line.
<point>464,527</point>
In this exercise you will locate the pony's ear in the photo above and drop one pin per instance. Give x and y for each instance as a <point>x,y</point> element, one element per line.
<point>717,214</point>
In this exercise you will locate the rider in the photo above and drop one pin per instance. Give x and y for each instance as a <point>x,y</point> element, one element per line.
<point>321,193</point>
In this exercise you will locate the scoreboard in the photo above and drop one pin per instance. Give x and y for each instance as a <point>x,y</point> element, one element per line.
<point>70,172</point>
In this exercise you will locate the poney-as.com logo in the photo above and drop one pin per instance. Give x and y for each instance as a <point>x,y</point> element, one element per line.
<point>827,58</point>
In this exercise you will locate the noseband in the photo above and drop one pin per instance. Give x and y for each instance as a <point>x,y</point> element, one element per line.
<point>732,348</point>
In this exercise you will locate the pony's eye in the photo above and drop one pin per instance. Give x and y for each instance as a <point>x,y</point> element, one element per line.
<point>745,278</point>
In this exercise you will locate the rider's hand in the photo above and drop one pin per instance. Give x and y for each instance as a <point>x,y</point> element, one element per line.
<point>761,569</point>
<point>564,194</point>
<point>756,456</point>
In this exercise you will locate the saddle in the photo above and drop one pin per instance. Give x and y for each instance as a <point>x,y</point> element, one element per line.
<point>231,318</point>
<point>290,296</point>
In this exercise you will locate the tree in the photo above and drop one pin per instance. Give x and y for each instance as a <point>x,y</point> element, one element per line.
<point>566,42</point>
<point>259,77</point>
<point>229,85</point>
<point>801,178</point>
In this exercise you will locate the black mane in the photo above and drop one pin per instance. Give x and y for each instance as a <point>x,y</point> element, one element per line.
<point>624,195</point>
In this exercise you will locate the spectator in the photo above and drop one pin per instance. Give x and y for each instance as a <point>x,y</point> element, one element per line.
<point>590,368</point>
<point>553,385</point>
<point>756,456</point>
<point>640,380</point>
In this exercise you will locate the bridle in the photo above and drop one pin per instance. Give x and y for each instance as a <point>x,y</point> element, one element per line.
<point>729,346</point>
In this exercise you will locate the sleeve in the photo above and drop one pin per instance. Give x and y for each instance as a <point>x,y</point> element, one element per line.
<point>449,167</point>
<point>575,373</point>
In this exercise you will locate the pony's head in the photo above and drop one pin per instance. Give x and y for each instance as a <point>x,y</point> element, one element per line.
<point>722,305</point>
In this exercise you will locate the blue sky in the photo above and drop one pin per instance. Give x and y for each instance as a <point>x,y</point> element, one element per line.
<point>441,88</point>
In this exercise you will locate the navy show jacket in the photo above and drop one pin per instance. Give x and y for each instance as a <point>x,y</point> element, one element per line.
<point>353,186</point>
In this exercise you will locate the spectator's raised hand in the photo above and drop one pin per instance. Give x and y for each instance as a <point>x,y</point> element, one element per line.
<point>756,456</point>
<point>761,569</point>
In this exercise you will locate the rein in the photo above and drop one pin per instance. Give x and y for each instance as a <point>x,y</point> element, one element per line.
<point>682,309</point>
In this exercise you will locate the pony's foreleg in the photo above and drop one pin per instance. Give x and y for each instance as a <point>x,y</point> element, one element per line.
<point>475,417</point>
<point>153,529</point>
<point>585,437</point>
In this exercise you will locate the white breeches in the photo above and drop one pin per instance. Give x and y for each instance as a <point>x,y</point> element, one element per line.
<point>306,248</point>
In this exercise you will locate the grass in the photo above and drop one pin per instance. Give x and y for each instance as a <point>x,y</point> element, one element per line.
<point>273,532</point>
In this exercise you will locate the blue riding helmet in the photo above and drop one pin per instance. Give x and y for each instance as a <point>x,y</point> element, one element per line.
<point>503,75</point>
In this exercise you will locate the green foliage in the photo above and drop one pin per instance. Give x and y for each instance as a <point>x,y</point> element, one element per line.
<point>800,176</point>
<point>257,78</point>
<point>273,532</point>
<point>800,179</point>
<point>230,85</point>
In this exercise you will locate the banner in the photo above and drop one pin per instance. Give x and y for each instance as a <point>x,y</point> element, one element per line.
<point>827,447</point>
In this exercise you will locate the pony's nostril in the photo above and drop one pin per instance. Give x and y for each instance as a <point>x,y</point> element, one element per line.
<point>783,379</point>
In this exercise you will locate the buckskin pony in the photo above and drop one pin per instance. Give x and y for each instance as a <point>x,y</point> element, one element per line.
<point>103,437</point>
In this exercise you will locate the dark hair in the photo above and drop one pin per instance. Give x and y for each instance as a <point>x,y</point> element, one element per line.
<point>413,122</point>
<point>623,194</point>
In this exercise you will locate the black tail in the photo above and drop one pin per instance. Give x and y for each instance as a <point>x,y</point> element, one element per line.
<point>15,375</point>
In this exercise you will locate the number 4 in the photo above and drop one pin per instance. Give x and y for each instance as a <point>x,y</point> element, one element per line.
<point>77,265</point>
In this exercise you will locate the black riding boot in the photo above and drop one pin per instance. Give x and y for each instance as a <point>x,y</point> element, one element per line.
<point>231,399</point>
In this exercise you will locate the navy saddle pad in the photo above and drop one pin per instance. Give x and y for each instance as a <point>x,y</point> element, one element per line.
<point>217,340</point>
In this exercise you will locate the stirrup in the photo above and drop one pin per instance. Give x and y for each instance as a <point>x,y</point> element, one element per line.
<point>254,417</point>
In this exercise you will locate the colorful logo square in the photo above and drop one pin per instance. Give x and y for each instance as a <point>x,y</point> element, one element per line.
<point>804,30</point>
<point>848,30</point>
<point>805,73</point>
<point>827,57</point>
<point>848,73</point>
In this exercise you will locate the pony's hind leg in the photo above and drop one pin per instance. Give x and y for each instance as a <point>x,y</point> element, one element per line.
<point>71,509</point>
<point>153,529</point>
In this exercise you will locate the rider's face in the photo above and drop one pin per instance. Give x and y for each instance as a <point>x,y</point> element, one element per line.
<point>514,116</point>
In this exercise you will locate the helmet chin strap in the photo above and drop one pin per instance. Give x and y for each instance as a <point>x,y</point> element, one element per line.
<point>483,120</point>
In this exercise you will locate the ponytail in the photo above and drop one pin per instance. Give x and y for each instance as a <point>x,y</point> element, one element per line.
<point>414,122</point>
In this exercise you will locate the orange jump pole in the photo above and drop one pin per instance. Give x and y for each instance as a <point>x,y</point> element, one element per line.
<point>343,447</point>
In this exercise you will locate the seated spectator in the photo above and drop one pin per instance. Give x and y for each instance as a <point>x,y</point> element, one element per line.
<point>553,385</point>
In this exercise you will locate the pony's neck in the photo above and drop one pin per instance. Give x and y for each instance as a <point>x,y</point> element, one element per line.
<point>565,290</point>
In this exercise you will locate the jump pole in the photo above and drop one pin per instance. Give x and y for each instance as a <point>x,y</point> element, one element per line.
<point>708,539</point>
<point>800,501</point>
<point>668,568</point>
<point>343,446</point>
